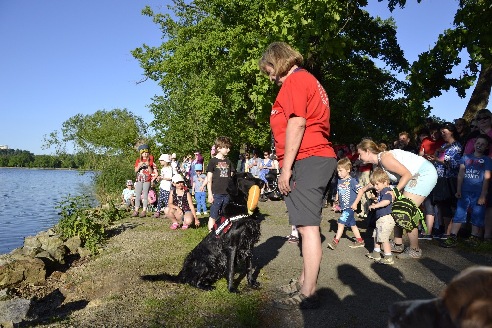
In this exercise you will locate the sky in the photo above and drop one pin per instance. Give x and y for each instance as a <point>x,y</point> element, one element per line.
<point>61,58</point>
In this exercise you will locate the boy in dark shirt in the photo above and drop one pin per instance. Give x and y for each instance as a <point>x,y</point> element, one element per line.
<point>384,221</point>
<point>219,172</point>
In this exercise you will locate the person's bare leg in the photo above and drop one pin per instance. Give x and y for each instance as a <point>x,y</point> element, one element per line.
<point>312,253</point>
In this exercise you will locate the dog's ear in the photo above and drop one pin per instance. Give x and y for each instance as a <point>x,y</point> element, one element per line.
<point>232,187</point>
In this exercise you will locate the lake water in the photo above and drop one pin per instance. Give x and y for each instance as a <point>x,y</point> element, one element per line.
<point>28,198</point>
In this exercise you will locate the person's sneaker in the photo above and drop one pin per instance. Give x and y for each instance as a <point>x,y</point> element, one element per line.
<point>387,259</point>
<point>410,253</point>
<point>135,214</point>
<point>297,300</point>
<point>376,256</point>
<point>425,237</point>
<point>396,248</point>
<point>198,213</point>
<point>473,241</point>
<point>452,241</point>
<point>205,213</point>
<point>143,214</point>
<point>157,214</point>
<point>357,244</point>
<point>333,244</point>
<point>292,287</point>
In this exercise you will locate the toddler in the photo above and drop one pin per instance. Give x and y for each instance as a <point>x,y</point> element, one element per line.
<point>347,190</point>
<point>128,194</point>
<point>384,221</point>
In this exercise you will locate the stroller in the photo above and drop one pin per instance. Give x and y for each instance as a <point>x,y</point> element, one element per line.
<point>271,189</point>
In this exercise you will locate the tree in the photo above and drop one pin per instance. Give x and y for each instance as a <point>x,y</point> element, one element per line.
<point>106,141</point>
<point>207,68</point>
<point>431,73</point>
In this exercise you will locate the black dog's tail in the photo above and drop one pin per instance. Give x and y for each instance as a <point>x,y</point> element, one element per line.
<point>162,277</point>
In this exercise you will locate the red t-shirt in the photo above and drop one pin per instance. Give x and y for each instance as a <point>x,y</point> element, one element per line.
<point>301,95</point>
<point>430,146</point>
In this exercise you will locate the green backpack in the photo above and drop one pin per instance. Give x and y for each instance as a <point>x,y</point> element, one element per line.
<point>406,214</point>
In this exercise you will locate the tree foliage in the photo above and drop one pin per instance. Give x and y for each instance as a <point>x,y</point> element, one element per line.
<point>207,68</point>
<point>106,140</point>
<point>432,72</point>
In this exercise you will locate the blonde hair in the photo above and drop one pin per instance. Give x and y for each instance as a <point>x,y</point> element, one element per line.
<point>345,163</point>
<point>368,144</point>
<point>281,57</point>
<point>378,175</point>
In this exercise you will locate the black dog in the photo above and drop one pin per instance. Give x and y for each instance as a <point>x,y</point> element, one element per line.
<point>231,241</point>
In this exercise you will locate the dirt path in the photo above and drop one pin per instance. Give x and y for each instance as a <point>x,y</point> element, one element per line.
<point>355,292</point>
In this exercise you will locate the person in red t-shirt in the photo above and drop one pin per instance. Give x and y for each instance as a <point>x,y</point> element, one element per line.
<point>432,143</point>
<point>300,122</point>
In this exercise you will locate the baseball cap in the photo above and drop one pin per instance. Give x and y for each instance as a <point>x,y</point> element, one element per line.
<point>177,178</point>
<point>173,155</point>
<point>165,158</point>
<point>129,182</point>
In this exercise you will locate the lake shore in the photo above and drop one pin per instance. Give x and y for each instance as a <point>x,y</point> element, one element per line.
<point>108,289</point>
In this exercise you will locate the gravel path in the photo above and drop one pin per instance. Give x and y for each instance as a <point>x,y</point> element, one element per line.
<point>107,291</point>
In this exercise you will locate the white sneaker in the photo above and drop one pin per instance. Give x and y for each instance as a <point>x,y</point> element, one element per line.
<point>198,213</point>
<point>205,213</point>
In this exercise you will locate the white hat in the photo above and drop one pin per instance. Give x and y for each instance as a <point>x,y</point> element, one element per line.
<point>177,178</point>
<point>129,182</point>
<point>173,155</point>
<point>165,158</point>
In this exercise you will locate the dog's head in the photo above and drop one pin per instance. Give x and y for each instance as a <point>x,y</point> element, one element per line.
<point>244,189</point>
<point>466,302</point>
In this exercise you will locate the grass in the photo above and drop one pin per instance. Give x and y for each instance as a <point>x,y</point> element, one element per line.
<point>189,307</point>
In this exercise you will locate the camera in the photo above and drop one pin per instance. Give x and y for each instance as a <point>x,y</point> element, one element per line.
<point>143,167</point>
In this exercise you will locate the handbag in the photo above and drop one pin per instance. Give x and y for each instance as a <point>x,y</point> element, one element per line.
<point>444,190</point>
<point>406,214</point>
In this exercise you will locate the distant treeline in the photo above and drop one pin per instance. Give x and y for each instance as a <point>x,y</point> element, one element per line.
<point>24,158</point>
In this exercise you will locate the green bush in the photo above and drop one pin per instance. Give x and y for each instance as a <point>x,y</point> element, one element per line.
<point>79,218</point>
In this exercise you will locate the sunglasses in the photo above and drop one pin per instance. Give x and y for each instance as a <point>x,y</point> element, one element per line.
<point>483,118</point>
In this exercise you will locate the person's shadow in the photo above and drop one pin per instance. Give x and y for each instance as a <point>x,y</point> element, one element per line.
<point>366,306</point>
<point>43,310</point>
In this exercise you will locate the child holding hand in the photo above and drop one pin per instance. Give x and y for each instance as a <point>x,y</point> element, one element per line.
<point>384,221</point>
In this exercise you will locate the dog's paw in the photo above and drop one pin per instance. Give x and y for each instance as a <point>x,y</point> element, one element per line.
<point>234,290</point>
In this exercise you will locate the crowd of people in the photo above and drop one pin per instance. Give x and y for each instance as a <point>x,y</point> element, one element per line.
<point>461,157</point>
<point>443,169</point>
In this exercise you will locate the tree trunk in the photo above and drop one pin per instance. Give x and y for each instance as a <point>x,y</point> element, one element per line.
<point>480,96</point>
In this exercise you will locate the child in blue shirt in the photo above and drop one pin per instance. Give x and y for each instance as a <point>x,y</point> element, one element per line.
<point>199,189</point>
<point>471,192</point>
<point>384,221</point>
<point>347,190</point>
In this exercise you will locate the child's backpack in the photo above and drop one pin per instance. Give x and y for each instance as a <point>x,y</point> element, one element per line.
<point>405,213</point>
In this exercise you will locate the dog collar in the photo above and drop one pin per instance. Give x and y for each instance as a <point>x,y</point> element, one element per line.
<point>223,224</point>
<point>237,217</point>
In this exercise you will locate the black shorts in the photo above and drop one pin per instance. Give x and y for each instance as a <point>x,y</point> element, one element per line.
<point>310,177</point>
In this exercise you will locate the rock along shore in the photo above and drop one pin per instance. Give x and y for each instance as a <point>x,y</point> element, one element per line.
<point>79,290</point>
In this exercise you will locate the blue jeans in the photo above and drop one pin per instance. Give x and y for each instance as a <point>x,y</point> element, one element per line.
<point>201,205</point>
<point>218,206</point>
